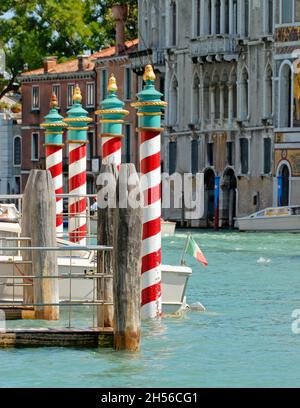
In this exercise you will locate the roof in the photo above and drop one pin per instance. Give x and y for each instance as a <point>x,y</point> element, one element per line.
<point>72,65</point>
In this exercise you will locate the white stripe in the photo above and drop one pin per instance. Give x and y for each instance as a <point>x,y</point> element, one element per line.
<point>151,310</point>
<point>59,206</point>
<point>113,158</point>
<point>57,182</point>
<point>73,146</point>
<point>151,244</point>
<point>152,212</point>
<point>54,158</point>
<point>151,179</point>
<point>77,167</point>
<point>81,190</point>
<point>150,147</point>
<point>151,277</point>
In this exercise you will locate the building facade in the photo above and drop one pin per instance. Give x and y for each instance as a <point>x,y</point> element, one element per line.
<point>217,75</point>
<point>287,107</point>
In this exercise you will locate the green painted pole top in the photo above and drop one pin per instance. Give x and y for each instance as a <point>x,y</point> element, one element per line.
<point>53,124</point>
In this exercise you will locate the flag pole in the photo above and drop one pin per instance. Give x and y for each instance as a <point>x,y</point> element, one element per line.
<point>184,249</point>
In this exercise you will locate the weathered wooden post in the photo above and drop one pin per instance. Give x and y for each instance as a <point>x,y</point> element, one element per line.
<point>149,111</point>
<point>39,213</point>
<point>127,256</point>
<point>77,121</point>
<point>54,156</point>
<point>106,215</point>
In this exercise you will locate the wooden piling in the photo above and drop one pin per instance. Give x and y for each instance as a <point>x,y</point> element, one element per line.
<point>127,257</point>
<point>105,236</point>
<point>39,215</point>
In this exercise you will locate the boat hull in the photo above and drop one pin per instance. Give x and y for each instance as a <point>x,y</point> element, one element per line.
<point>174,282</point>
<point>280,223</point>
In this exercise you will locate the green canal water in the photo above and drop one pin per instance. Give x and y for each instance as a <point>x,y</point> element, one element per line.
<point>250,288</point>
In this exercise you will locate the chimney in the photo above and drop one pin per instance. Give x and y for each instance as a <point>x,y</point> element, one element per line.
<point>82,62</point>
<point>120,14</point>
<point>49,63</point>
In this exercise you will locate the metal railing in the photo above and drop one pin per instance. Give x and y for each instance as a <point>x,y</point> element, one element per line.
<point>12,279</point>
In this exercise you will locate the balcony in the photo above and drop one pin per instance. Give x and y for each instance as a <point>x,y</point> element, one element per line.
<point>209,46</point>
<point>140,59</point>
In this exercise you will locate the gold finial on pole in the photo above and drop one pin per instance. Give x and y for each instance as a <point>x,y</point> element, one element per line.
<point>149,73</point>
<point>53,101</point>
<point>112,84</point>
<point>77,94</point>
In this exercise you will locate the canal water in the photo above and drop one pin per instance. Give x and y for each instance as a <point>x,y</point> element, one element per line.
<point>250,289</point>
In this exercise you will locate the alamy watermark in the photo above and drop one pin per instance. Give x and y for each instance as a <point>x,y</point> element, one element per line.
<point>2,321</point>
<point>178,191</point>
<point>296,322</point>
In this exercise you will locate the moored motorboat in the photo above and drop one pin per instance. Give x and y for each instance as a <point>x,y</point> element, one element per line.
<point>167,228</point>
<point>272,219</point>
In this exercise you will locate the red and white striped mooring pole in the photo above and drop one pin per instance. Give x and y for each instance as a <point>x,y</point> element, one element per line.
<point>149,111</point>
<point>77,121</point>
<point>54,156</point>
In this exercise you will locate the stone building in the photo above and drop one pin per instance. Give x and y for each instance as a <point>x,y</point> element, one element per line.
<point>287,106</point>
<point>91,73</point>
<point>216,69</point>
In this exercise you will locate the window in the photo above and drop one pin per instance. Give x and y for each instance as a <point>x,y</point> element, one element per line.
<point>90,94</point>
<point>17,184</point>
<point>209,5</point>
<point>127,143</point>
<point>174,101</point>
<point>287,11</point>
<point>70,92</point>
<point>172,157</point>
<point>90,145</point>
<point>244,155</point>
<point>174,23</point>
<point>270,17</point>
<point>196,100</point>
<point>268,93</point>
<point>206,101</point>
<point>56,91</point>
<point>229,153</point>
<point>34,146</point>
<point>103,83</point>
<point>35,102</point>
<point>297,11</point>
<point>285,96</point>
<point>226,16</point>
<point>194,156</point>
<point>210,154</point>
<point>17,151</point>
<point>127,83</point>
<point>246,16</point>
<point>235,16</point>
<point>244,95</point>
<point>218,16</point>
<point>267,155</point>
<point>198,11</point>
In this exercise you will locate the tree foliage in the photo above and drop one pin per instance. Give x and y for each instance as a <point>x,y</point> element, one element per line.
<point>33,29</point>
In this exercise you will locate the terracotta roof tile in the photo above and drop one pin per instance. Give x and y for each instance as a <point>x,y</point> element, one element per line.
<point>72,65</point>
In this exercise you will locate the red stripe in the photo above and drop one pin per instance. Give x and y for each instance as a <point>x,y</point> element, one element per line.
<point>111,146</point>
<point>151,195</point>
<point>151,261</point>
<point>147,135</point>
<point>77,154</point>
<point>56,170</point>
<point>52,149</point>
<point>77,180</point>
<point>78,207</point>
<point>59,220</point>
<point>150,163</point>
<point>151,293</point>
<point>151,228</point>
<point>78,234</point>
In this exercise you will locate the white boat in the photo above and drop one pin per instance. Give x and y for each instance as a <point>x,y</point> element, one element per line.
<point>272,219</point>
<point>174,281</point>
<point>167,227</point>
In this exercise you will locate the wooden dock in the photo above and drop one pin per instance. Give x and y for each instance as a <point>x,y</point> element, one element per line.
<point>57,337</point>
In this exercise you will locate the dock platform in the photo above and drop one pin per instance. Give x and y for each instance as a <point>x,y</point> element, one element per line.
<point>57,337</point>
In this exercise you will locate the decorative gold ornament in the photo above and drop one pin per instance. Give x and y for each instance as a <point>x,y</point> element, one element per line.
<point>77,97</point>
<point>112,84</point>
<point>149,73</point>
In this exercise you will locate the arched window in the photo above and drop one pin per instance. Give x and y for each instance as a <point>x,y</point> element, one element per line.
<point>194,156</point>
<point>268,93</point>
<point>244,96</point>
<point>218,16</point>
<point>173,23</point>
<point>285,84</point>
<point>196,99</point>
<point>174,101</point>
<point>198,11</point>
<point>226,16</point>
<point>209,5</point>
<point>216,82</point>
<point>206,101</point>
<point>270,17</point>
<point>235,16</point>
<point>17,151</point>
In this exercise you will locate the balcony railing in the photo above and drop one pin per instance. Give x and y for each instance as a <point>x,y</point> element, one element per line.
<point>201,47</point>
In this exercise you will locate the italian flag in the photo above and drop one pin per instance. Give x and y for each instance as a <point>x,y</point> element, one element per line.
<point>193,250</point>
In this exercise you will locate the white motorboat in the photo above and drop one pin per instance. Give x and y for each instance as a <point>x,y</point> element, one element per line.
<point>272,219</point>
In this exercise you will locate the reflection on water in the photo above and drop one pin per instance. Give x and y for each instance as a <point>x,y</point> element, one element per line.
<point>244,337</point>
